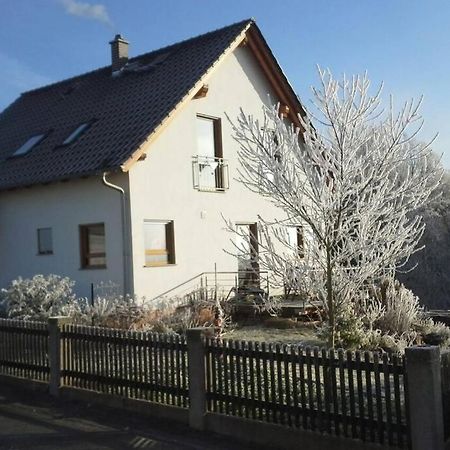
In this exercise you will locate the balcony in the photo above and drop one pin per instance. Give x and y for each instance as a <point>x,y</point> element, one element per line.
<point>210,174</point>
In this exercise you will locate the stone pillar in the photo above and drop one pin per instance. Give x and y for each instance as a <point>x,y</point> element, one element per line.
<point>423,368</point>
<point>197,377</point>
<point>55,355</point>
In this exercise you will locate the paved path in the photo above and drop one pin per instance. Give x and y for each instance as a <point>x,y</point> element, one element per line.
<point>35,421</point>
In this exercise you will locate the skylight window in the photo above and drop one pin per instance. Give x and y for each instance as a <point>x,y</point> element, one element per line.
<point>77,133</point>
<point>28,145</point>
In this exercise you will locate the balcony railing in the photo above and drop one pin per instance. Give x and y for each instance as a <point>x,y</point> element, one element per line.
<point>210,174</point>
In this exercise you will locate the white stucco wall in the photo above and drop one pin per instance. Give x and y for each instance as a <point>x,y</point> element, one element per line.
<point>161,186</point>
<point>63,207</point>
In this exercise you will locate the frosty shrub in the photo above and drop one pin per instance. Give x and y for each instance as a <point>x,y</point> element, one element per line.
<point>402,309</point>
<point>39,297</point>
<point>436,333</point>
<point>350,332</point>
<point>110,312</point>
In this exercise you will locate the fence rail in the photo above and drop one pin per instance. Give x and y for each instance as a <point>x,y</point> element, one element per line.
<point>24,349</point>
<point>132,364</point>
<point>352,394</point>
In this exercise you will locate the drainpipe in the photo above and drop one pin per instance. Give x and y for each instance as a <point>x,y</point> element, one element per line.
<point>124,230</point>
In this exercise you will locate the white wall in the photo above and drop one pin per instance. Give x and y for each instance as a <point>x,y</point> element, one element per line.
<point>161,186</point>
<point>63,207</point>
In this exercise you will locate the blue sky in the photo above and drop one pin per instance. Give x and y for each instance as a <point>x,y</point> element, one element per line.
<point>406,44</point>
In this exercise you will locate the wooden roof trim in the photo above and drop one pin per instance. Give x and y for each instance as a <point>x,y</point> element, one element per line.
<point>274,74</point>
<point>184,101</point>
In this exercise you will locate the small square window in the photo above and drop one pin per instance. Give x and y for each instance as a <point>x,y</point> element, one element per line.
<point>159,243</point>
<point>45,241</point>
<point>93,246</point>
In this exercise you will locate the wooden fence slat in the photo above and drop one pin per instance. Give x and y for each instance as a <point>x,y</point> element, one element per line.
<point>264,357</point>
<point>398,408</point>
<point>319,388</point>
<point>369,395</point>
<point>361,406</point>
<point>288,385</point>
<point>343,392</point>
<point>378,398</point>
<point>295,392</point>
<point>351,395</point>
<point>327,389</point>
<point>259,381</point>
<point>334,390</point>
<point>388,398</point>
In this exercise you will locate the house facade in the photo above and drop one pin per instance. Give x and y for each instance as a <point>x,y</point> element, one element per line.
<point>135,190</point>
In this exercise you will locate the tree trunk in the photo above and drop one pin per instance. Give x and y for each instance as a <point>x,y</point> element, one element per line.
<point>330,302</point>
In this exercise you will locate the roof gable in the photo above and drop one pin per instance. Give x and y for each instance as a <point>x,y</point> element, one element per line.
<point>124,112</point>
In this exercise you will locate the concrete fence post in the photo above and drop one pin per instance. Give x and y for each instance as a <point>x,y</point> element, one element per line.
<point>197,377</point>
<point>55,350</point>
<point>426,425</point>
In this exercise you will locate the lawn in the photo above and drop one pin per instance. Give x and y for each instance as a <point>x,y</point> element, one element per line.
<point>302,334</point>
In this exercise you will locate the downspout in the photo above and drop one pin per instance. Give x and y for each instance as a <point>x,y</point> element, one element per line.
<point>124,230</point>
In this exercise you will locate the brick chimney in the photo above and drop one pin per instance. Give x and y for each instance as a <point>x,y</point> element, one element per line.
<point>119,52</point>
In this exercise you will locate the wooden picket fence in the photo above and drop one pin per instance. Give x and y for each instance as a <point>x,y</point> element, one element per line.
<point>351,394</point>
<point>359,395</point>
<point>24,349</point>
<point>146,366</point>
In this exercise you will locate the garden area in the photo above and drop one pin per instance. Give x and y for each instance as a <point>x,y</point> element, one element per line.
<point>389,321</point>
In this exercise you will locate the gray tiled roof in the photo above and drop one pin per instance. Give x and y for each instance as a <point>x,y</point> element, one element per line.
<point>126,110</point>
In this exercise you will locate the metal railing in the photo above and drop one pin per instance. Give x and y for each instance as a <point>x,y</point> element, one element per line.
<point>207,284</point>
<point>210,173</point>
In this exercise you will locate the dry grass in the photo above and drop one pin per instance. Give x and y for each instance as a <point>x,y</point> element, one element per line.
<point>302,335</point>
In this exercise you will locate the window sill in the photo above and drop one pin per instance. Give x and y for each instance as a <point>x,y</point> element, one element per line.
<point>92,267</point>
<point>44,254</point>
<point>145,266</point>
<point>212,190</point>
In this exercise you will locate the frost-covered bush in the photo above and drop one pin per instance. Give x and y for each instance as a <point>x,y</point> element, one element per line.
<point>39,297</point>
<point>110,312</point>
<point>435,333</point>
<point>401,308</point>
<point>350,331</point>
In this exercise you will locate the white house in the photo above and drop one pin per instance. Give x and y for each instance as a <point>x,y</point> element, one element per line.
<point>125,174</point>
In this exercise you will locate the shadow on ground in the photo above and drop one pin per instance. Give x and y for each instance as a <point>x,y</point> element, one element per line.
<point>35,421</point>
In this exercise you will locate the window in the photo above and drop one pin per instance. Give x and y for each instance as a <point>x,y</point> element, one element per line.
<point>29,144</point>
<point>209,137</point>
<point>77,133</point>
<point>270,170</point>
<point>45,241</point>
<point>210,170</point>
<point>159,243</point>
<point>247,254</point>
<point>297,239</point>
<point>92,246</point>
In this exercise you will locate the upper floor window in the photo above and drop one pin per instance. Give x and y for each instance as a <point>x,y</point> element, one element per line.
<point>76,134</point>
<point>93,246</point>
<point>45,241</point>
<point>32,142</point>
<point>159,243</point>
<point>210,169</point>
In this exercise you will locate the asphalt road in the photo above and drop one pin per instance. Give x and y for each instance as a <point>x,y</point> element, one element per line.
<point>35,421</point>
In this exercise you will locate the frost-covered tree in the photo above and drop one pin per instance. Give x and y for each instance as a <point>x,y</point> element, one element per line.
<point>352,177</point>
